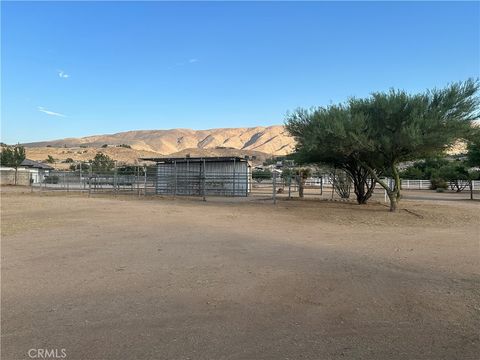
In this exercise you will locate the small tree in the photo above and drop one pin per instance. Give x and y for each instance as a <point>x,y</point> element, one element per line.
<point>102,163</point>
<point>50,159</point>
<point>260,175</point>
<point>341,183</point>
<point>457,175</point>
<point>13,157</point>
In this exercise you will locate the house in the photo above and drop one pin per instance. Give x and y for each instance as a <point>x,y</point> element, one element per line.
<point>37,170</point>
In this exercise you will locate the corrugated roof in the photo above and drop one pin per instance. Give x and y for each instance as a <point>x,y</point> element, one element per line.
<point>194,159</point>
<point>35,164</point>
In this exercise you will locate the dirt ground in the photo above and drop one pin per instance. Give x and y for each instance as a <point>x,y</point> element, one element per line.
<point>122,278</point>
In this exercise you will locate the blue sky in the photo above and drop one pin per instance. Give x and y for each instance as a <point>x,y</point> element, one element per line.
<point>76,69</point>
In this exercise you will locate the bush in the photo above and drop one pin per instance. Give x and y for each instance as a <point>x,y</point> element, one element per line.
<point>259,175</point>
<point>51,179</point>
<point>438,183</point>
<point>440,190</point>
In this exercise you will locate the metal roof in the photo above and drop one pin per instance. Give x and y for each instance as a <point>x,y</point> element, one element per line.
<point>34,164</point>
<point>195,159</point>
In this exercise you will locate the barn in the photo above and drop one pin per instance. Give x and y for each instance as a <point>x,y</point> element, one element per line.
<point>202,176</point>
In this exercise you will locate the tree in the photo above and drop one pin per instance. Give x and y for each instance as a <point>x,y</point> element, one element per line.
<point>102,163</point>
<point>331,136</point>
<point>50,159</point>
<point>457,175</point>
<point>403,127</point>
<point>473,148</point>
<point>260,175</point>
<point>13,157</point>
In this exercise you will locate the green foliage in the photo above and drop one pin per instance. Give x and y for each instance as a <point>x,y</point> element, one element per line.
<point>438,183</point>
<point>379,132</point>
<point>83,165</point>
<point>69,160</point>
<point>104,145</point>
<point>457,174</point>
<point>50,159</point>
<point>124,146</point>
<point>102,163</point>
<point>260,175</point>
<point>51,179</point>
<point>424,169</point>
<point>473,148</point>
<point>334,136</point>
<point>12,156</point>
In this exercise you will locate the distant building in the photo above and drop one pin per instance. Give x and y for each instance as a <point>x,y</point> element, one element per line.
<point>37,170</point>
<point>202,176</point>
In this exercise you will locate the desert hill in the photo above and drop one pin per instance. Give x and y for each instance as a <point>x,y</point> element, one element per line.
<point>258,143</point>
<point>272,140</point>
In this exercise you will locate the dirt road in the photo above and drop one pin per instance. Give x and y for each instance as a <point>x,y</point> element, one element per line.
<point>108,278</point>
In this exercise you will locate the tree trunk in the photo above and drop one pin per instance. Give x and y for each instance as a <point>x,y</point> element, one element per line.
<point>398,184</point>
<point>301,183</point>
<point>393,197</point>
<point>470,184</point>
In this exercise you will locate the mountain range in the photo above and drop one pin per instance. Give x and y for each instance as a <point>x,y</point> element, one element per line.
<point>126,146</point>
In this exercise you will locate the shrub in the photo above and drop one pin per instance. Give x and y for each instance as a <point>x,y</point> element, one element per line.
<point>438,183</point>
<point>51,179</point>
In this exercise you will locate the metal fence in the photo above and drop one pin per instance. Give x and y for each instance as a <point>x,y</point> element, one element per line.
<point>145,182</point>
<point>141,181</point>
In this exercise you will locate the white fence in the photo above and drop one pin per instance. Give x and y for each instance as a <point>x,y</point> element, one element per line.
<point>407,184</point>
<point>425,184</point>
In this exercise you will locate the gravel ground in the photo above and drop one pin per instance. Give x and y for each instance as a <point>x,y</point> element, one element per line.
<point>106,278</point>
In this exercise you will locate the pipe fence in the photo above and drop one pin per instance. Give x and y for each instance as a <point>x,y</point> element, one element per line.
<point>145,181</point>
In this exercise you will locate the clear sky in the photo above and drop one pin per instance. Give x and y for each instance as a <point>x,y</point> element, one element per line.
<point>84,68</point>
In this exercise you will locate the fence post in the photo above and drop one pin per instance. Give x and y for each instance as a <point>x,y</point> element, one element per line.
<point>30,180</point>
<point>203,181</point>
<point>145,181</point>
<point>234,177</point>
<point>175,185</point>
<point>290,186</point>
<point>274,187</point>
<point>137,178</point>
<point>89,180</point>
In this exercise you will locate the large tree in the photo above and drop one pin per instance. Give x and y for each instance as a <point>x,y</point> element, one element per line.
<point>332,136</point>
<point>402,127</point>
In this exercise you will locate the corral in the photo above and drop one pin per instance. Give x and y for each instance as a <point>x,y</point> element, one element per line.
<point>111,278</point>
<point>207,176</point>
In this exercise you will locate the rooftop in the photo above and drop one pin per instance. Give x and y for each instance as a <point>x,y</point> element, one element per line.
<point>35,164</point>
<point>195,159</point>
